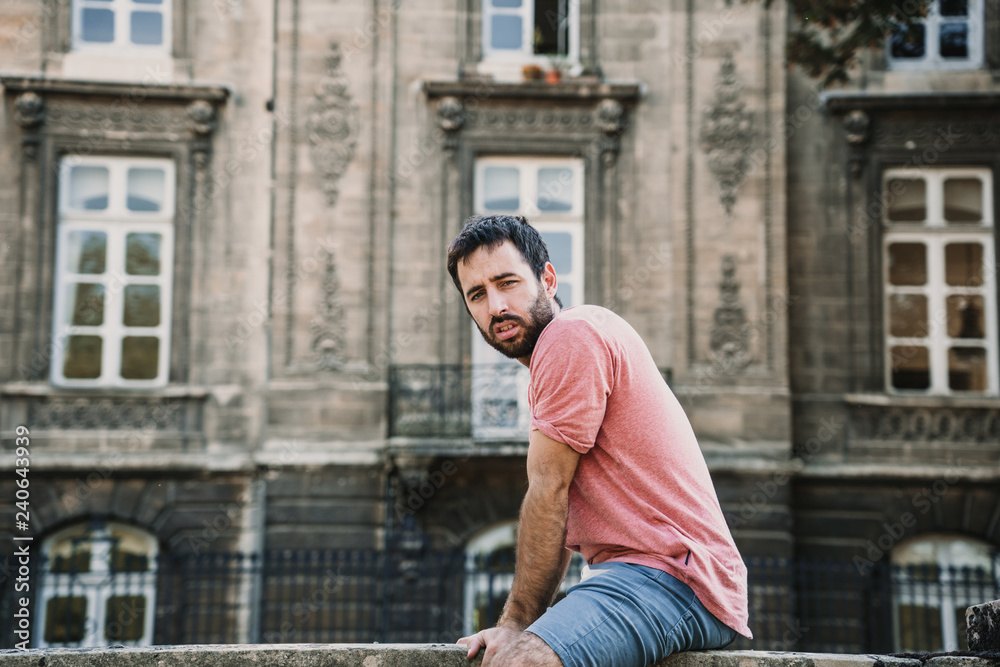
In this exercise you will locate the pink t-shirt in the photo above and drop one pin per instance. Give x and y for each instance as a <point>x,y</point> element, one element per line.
<point>642,492</point>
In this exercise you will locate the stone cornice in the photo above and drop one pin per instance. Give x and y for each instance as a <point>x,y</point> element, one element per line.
<point>839,103</point>
<point>21,84</point>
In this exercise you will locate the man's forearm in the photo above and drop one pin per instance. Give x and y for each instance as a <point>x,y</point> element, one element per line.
<point>542,557</point>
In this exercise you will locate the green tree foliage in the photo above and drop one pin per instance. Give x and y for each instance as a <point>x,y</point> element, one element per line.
<point>827,36</point>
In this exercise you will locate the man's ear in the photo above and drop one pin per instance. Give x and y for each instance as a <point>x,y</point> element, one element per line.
<point>550,280</point>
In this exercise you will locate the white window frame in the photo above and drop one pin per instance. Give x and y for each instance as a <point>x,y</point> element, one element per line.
<point>526,54</point>
<point>122,10</point>
<point>932,58</point>
<point>935,233</point>
<point>99,584</point>
<point>116,222</point>
<point>499,377</point>
<point>905,591</point>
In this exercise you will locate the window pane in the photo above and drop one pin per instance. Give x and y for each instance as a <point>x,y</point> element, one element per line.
<point>140,357</point>
<point>506,3</point>
<point>550,27</point>
<point>147,28</point>
<point>908,42</point>
<point>907,264</point>
<point>145,189</point>
<point>84,305</point>
<point>954,7</point>
<point>142,306</point>
<point>963,629</point>
<point>560,245</point>
<point>966,318</point>
<point>967,369</point>
<point>83,357</point>
<point>908,315</point>
<point>963,264</point>
<point>126,561</point>
<point>501,188</point>
<point>88,188</point>
<point>963,200</point>
<point>505,32</point>
<point>910,367</point>
<point>142,254</point>
<point>65,619</point>
<point>76,562</point>
<point>97,25</point>
<point>954,38</point>
<point>919,628</point>
<point>85,252</point>
<point>907,199</point>
<point>125,617</point>
<point>555,189</point>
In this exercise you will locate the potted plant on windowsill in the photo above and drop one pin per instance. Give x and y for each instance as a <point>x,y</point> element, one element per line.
<point>557,68</point>
<point>532,72</point>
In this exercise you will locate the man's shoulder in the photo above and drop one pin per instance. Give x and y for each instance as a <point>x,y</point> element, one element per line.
<point>580,324</point>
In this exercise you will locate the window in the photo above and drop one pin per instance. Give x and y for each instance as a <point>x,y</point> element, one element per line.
<point>529,30</point>
<point>934,580</point>
<point>490,568</point>
<point>117,24</point>
<point>940,282</point>
<point>950,37</point>
<point>98,587</point>
<point>114,269</point>
<point>549,192</point>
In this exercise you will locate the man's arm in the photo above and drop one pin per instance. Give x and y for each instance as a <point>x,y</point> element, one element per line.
<point>542,557</point>
<point>541,534</point>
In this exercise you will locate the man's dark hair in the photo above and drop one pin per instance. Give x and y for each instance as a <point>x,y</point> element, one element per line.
<point>491,231</point>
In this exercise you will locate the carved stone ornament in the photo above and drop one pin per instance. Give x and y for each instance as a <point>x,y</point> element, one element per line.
<point>29,110</point>
<point>730,336</point>
<point>120,414</point>
<point>202,116</point>
<point>610,117</point>
<point>450,118</point>
<point>332,124</point>
<point>329,337</point>
<point>727,134</point>
<point>856,125</point>
<point>926,424</point>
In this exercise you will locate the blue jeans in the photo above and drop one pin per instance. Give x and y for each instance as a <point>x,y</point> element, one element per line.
<point>627,615</point>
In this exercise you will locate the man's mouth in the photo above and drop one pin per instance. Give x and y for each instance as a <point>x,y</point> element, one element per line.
<point>506,330</point>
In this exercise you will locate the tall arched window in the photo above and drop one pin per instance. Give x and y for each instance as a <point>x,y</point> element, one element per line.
<point>935,578</point>
<point>98,586</point>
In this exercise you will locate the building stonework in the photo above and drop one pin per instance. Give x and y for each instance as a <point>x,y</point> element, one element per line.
<point>319,387</point>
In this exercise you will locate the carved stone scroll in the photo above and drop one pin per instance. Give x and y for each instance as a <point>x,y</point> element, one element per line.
<point>730,336</point>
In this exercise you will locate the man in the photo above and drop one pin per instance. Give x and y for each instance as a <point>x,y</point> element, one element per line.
<point>614,472</point>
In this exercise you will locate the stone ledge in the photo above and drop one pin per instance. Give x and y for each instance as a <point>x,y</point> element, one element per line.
<point>413,655</point>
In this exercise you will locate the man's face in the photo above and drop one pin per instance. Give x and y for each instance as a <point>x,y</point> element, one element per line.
<point>510,306</point>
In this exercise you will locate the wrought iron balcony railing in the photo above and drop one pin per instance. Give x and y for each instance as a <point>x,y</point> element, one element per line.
<point>486,402</point>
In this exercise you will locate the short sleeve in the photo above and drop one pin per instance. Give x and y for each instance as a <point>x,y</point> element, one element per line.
<point>572,374</point>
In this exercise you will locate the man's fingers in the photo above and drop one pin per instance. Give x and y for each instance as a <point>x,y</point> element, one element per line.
<point>474,643</point>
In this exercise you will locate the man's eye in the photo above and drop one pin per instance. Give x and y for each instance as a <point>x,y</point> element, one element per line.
<point>475,297</point>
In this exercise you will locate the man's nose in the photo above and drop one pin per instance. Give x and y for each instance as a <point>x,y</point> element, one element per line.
<point>498,304</point>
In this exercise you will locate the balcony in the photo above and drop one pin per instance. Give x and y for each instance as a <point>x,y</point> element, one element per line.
<point>482,402</point>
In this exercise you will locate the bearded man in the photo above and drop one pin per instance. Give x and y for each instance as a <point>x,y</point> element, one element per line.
<point>614,472</point>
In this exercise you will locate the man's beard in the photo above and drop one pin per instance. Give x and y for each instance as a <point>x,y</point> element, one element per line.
<point>539,316</point>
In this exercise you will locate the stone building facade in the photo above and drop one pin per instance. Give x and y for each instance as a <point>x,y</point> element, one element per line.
<point>226,323</point>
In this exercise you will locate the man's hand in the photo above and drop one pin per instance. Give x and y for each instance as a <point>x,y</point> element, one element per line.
<point>492,639</point>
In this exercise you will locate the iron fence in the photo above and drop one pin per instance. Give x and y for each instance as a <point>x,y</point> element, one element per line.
<point>437,596</point>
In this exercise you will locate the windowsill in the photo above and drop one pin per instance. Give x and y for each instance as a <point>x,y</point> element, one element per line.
<point>126,65</point>
<point>889,97</point>
<point>901,400</point>
<point>44,389</point>
<point>584,88</point>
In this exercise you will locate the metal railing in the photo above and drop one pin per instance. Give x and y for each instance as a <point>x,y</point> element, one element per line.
<point>437,596</point>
